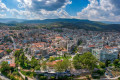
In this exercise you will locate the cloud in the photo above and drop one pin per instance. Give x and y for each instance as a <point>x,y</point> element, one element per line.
<point>37,9</point>
<point>42,9</point>
<point>3,7</point>
<point>48,5</point>
<point>101,10</point>
<point>2,15</point>
<point>42,14</point>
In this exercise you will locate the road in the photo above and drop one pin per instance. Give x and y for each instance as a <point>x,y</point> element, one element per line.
<point>25,76</point>
<point>3,77</point>
<point>110,78</point>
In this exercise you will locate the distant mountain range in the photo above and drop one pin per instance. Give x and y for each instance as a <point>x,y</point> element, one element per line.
<point>14,20</point>
<point>11,20</point>
<point>65,23</point>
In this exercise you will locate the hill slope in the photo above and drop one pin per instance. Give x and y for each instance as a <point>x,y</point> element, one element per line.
<point>65,23</point>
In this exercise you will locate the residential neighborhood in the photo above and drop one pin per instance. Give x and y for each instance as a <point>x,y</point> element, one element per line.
<point>41,54</point>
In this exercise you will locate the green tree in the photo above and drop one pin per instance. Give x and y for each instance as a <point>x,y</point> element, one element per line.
<point>37,67</point>
<point>107,62</point>
<point>26,78</point>
<point>85,61</point>
<point>52,58</point>
<point>34,62</point>
<point>8,51</point>
<point>115,62</point>
<point>44,65</point>
<point>102,65</point>
<point>119,78</point>
<point>5,67</point>
<point>17,54</point>
<point>79,42</point>
<point>61,66</point>
<point>75,49</point>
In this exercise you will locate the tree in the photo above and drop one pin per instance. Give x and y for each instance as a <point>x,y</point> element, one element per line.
<point>37,67</point>
<point>17,54</point>
<point>115,62</point>
<point>61,66</point>
<point>5,67</point>
<point>85,61</point>
<point>26,78</point>
<point>79,42</point>
<point>21,59</point>
<point>119,78</point>
<point>34,62</point>
<point>107,62</point>
<point>52,58</point>
<point>102,65</point>
<point>76,62</point>
<point>75,49</point>
<point>44,66</point>
<point>8,51</point>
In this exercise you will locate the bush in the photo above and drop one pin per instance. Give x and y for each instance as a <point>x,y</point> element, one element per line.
<point>12,77</point>
<point>26,78</point>
<point>52,77</point>
<point>88,77</point>
<point>43,78</point>
<point>70,78</point>
<point>119,78</point>
<point>102,65</point>
<point>16,73</point>
<point>30,74</point>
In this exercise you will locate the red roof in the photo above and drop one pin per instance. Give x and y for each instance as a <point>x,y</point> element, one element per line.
<point>1,51</point>
<point>91,46</point>
<point>12,65</point>
<point>59,37</point>
<point>108,47</point>
<point>53,63</point>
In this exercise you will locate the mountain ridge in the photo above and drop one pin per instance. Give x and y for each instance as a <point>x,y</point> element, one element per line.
<point>67,23</point>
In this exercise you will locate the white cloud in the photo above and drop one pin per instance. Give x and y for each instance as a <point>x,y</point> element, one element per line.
<point>2,15</point>
<point>42,14</point>
<point>49,5</point>
<point>42,9</point>
<point>102,10</point>
<point>3,7</point>
<point>38,9</point>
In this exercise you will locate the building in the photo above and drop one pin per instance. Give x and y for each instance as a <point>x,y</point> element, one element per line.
<point>1,53</point>
<point>105,54</point>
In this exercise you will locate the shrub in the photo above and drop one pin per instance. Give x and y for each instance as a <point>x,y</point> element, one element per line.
<point>43,78</point>
<point>52,77</point>
<point>26,78</point>
<point>119,78</point>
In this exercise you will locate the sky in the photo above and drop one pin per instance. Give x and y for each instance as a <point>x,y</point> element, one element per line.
<point>95,10</point>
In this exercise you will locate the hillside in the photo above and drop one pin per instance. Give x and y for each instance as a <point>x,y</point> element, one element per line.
<point>94,26</point>
<point>10,20</point>
<point>63,23</point>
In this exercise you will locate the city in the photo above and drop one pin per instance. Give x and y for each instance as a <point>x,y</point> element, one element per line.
<point>59,39</point>
<point>50,54</point>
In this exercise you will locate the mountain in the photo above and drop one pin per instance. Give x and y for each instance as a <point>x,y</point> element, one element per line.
<point>10,20</point>
<point>55,20</point>
<point>108,22</point>
<point>62,23</point>
<point>93,26</point>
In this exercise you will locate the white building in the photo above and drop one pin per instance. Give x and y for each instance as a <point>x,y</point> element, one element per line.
<point>105,54</point>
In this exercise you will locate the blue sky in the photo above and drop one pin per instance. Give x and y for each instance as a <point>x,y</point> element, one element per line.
<point>96,10</point>
<point>73,8</point>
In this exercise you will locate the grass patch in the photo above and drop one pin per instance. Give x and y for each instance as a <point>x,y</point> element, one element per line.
<point>61,57</point>
<point>29,74</point>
